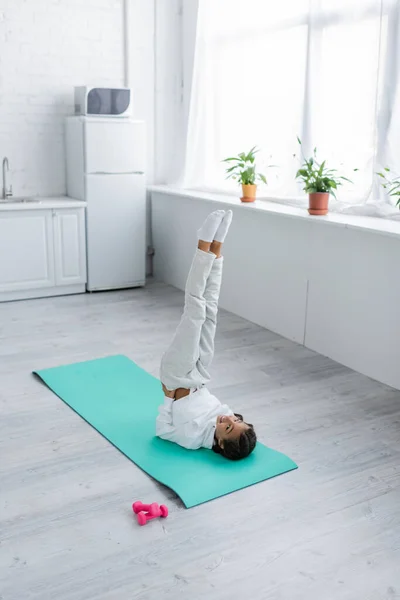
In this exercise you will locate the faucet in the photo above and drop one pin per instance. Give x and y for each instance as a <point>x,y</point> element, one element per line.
<point>6,192</point>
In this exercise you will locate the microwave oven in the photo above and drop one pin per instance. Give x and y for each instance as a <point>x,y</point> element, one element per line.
<point>101,101</point>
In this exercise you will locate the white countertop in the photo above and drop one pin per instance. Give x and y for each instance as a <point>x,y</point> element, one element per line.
<point>43,203</point>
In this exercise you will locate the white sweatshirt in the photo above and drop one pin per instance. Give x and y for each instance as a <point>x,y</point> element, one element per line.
<point>190,421</point>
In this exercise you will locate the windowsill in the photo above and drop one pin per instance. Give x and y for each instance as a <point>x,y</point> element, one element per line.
<point>383,226</point>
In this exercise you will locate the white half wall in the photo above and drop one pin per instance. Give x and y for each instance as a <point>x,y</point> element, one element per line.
<point>317,282</point>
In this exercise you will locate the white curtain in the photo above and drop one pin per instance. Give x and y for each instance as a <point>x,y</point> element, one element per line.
<point>267,71</point>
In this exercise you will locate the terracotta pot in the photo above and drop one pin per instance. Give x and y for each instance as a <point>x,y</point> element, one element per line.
<point>318,203</point>
<point>249,193</point>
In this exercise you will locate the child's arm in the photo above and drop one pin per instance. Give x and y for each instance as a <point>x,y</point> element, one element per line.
<point>166,430</point>
<point>164,426</point>
<point>168,393</point>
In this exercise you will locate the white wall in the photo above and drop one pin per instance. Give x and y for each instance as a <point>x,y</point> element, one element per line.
<point>318,283</point>
<point>141,69</point>
<point>47,47</point>
<point>168,90</point>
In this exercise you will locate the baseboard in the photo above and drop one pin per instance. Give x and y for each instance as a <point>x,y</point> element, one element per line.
<point>64,290</point>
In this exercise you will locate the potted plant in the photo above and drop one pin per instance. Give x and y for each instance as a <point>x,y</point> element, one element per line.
<point>391,184</point>
<point>243,170</point>
<point>319,182</point>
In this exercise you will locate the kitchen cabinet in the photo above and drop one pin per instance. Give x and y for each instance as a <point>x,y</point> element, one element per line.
<point>42,251</point>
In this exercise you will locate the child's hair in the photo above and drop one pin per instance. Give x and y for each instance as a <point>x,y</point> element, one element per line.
<point>239,448</point>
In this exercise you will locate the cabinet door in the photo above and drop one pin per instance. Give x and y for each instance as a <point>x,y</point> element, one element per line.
<point>26,250</point>
<point>69,246</point>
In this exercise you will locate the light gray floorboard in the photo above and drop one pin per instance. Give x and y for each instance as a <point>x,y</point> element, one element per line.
<point>330,530</point>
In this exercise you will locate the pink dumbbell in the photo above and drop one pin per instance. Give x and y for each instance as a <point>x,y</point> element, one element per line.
<point>152,511</point>
<point>138,507</point>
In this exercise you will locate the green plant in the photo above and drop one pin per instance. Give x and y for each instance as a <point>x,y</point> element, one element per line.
<point>317,177</point>
<point>392,185</point>
<point>243,168</point>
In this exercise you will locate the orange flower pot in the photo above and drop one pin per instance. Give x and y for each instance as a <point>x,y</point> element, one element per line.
<point>318,203</point>
<point>249,193</point>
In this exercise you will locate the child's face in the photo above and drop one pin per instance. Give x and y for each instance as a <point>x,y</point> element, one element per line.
<point>229,428</point>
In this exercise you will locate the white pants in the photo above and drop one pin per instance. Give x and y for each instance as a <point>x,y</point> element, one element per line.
<point>186,362</point>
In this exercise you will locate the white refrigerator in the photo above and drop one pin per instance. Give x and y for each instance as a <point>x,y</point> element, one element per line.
<point>106,168</point>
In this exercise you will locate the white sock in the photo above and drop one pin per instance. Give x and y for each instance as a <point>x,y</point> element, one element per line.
<point>224,226</point>
<point>209,228</point>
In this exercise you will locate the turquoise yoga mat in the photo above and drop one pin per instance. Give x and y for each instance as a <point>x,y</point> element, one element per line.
<point>120,400</point>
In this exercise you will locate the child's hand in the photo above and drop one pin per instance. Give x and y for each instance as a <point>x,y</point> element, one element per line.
<point>168,393</point>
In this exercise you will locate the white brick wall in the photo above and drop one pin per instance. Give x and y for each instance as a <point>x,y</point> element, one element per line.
<point>47,47</point>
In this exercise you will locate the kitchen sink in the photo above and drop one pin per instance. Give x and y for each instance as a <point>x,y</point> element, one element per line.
<point>16,200</point>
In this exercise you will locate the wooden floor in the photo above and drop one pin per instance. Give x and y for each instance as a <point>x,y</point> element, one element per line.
<point>330,530</point>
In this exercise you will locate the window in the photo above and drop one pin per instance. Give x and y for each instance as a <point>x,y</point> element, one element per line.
<point>269,71</point>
